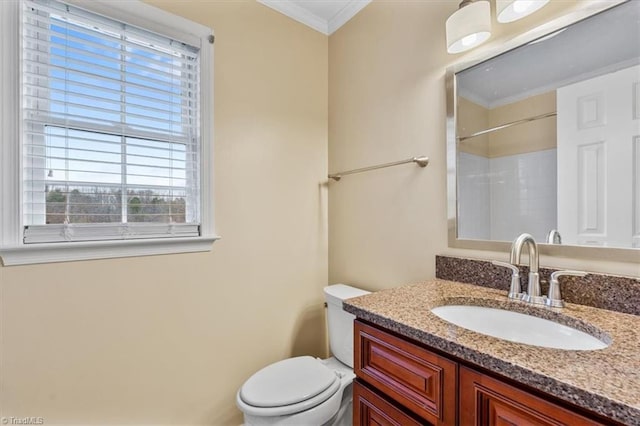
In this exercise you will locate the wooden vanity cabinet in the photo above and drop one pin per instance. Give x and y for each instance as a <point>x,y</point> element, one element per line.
<point>418,379</point>
<point>487,401</point>
<point>369,408</point>
<point>403,383</point>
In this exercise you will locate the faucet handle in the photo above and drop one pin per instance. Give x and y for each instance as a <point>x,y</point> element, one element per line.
<point>554,299</point>
<point>515,291</point>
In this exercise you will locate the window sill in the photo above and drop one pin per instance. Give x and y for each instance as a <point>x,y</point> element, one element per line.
<point>67,252</point>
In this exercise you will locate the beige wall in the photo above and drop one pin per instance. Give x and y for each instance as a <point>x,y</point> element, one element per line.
<point>169,339</point>
<point>472,118</point>
<point>387,102</point>
<point>527,137</point>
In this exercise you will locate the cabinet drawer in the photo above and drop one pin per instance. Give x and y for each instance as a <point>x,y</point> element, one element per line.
<point>370,409</point>
<point>485,401</point>
<point>418,379</point>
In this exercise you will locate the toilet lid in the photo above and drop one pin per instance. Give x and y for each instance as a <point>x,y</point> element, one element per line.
<point>287,382</point>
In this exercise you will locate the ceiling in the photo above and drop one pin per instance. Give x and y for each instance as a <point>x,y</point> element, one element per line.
<point>598,45</point>
<point>325,16</point>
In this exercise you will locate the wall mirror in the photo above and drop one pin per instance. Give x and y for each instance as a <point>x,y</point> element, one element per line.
<point>545,138</point>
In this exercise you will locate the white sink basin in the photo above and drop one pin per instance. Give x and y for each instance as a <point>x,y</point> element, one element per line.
<point>517,327</point>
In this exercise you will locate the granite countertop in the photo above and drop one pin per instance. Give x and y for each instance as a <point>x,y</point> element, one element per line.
<point>605,381</point>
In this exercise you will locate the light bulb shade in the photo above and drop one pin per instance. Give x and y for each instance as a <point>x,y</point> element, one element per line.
<point>469,26</point>
<point>512,10</point>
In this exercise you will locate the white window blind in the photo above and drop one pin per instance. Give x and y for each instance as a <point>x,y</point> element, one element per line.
<point>111,129</point>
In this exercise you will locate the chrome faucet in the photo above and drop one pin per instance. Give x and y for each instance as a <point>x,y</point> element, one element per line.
<point>554,237</point>
<point>534,293</point>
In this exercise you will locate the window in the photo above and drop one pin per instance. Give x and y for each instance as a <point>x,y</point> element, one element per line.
<point>113,139</point>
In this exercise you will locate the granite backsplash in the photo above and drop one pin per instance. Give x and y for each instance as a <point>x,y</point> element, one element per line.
<point>621,294</point>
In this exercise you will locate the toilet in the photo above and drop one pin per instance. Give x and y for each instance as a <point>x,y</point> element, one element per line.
<point>307,391</point>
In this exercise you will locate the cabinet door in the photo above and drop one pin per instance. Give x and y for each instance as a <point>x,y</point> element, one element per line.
<point>485,401</point>
<point>369,409</point>
<point>415,377</point>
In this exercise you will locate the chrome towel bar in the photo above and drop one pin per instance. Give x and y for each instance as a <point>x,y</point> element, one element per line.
<point>507,125</point>
<point>420,161</point>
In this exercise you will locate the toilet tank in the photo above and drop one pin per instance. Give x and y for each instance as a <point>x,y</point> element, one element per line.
<point>340,323</point>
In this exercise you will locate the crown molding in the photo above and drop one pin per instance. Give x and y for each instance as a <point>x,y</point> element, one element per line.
<point>299,14</point>
<point>348,11</point>
<point>302,15</point>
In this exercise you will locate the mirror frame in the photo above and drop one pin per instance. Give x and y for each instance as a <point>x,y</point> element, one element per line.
<point>584,11</point>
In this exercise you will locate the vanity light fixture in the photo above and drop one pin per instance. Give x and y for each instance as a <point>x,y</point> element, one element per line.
<point>469,26</point>
<point>512,10</point>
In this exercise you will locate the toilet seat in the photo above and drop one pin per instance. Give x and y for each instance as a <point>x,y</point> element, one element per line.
<point>288,386</point>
